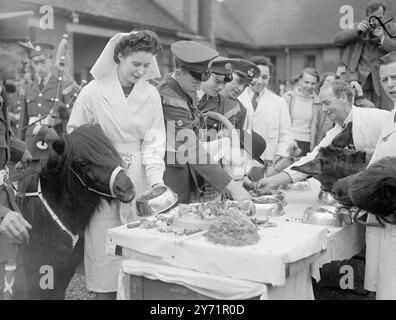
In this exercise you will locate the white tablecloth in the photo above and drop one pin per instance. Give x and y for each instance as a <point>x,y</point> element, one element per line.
<point>344,243</point>
<point>270,261</point>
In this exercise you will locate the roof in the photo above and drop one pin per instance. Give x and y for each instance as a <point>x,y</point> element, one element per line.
<point>277,23</point>
<point>140,12</point>
<point>228,28</point>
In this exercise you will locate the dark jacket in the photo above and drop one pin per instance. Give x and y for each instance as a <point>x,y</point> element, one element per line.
<point>180,112</point>
<point>231,109</point>
<point>12,149</point>
<point>354,46</point>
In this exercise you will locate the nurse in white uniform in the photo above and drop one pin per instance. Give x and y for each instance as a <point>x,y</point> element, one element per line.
<point>129,110</point>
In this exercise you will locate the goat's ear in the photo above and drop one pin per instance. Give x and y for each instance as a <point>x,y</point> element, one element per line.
<point>58,146</point>
<point>312,168</point>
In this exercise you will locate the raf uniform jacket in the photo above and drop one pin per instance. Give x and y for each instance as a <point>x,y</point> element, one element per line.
<point>180,112</point>
<point>231,109</point>
<point>11,149</point>
<point>39,103</point>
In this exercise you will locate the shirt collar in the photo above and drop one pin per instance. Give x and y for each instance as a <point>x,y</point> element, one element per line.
<point>348,118</point>
<point>251,93</point>
<point>46,79</point>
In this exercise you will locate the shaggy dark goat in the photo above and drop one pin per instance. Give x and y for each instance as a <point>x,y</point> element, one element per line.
<point>85,152</point>
<point>332,164</point>
<point>373,189</point>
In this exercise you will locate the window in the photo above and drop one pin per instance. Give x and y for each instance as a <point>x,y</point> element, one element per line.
<point>310,61</point>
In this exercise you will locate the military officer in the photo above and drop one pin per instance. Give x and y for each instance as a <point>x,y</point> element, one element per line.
<point>187,162</point>
<point>211,100</point>
<point>243,73</point>
<point>40,99</point>
<point>13,34</point>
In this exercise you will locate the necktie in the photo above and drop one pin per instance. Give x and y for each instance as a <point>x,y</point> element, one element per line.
<point>255,101</point>
<point>41,85</point>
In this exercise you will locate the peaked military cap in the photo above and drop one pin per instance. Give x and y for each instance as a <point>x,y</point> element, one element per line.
<point>245,69</point>
<point>222,66</point>
<point>194,57</point>
<point>42,50</point>
<point>388,58</point>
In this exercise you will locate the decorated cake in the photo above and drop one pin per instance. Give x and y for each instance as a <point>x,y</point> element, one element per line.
<point>234,230</point>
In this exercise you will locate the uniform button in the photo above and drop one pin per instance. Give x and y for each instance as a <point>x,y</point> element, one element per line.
<point>215,125</point>
<point>39,115</point>
<point>40,94</point>
<point>385,139</point>
<point>39,105</point>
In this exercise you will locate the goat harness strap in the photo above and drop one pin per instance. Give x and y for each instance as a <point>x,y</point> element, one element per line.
<point>52,213</point>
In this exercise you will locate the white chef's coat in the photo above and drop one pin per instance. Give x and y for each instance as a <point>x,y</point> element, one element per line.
<point>271,120</point>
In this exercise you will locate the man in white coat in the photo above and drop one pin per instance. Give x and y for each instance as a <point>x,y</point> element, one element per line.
<point>336,98</point>
<point>380,275</point>
<point>267,113</point>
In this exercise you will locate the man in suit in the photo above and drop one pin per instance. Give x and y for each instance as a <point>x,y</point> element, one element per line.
<point>363,45</point>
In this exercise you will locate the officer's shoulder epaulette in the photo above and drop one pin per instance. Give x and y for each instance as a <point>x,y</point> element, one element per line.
<point>174,102</point>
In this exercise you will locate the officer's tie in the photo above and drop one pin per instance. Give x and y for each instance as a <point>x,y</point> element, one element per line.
<point>255,101</point>
<point>41,85</point>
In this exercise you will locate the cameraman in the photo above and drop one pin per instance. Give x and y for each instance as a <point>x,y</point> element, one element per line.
<point>362,46</point>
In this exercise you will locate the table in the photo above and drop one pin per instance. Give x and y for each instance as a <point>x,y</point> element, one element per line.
<point>279,267</point>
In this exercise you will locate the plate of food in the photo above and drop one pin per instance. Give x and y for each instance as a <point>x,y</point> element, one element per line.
<point>273,194</point>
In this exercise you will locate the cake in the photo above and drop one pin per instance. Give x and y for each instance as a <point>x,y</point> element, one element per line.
<point>233,230</point>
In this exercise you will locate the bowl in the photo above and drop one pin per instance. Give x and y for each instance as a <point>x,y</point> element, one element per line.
<point>326,198</point>
<point>156,200</point>
<point>327,216</point>
<point>268,207</point>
